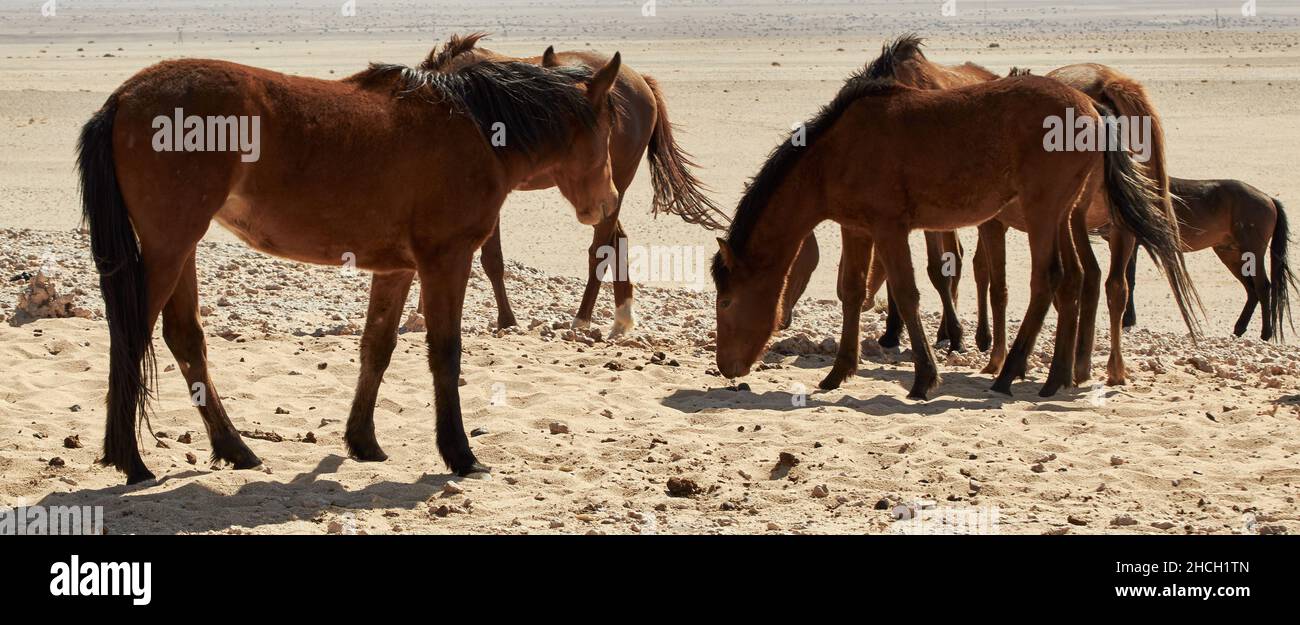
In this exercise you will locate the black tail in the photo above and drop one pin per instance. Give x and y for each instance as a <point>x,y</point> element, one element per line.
<point>676,189</point>
<point>1136,204</point>
<point>122,283</point>
<point>1281,280</point>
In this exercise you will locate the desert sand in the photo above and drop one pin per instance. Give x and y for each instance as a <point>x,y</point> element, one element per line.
<point>585,434</point>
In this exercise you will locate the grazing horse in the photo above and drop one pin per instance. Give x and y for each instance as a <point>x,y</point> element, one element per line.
<point>884,159</point>
<point>1106,86</point>
<point>1240,222</point>
<point>391,165</point>
<point>641,127</point>
<point>910,67</point>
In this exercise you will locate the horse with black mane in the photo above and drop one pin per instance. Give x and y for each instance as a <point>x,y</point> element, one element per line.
<point>392,166</point>
<point>883,159</point>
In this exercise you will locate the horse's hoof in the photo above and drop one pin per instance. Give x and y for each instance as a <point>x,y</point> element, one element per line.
<point>833,380</point>
<point>140,475</point>
<point>476,471</point>
<point>580,324</point>
<point>251,462</point>
<point>887,341</point>
<point>921,388</point>
<point>506,322</point>
<point>1116,381</point>
<point>367,452</point>
<point>983,343</point>
<point>1049,389</point>
<point>1002,388</point>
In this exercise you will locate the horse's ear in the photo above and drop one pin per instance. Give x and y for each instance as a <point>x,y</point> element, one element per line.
<point>728,256</point>
<point>603,80</point>
<point>548,57</point>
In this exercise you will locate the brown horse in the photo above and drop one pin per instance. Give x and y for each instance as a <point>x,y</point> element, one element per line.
<point>1118,92</point>
<point>392,165</point>
<point>1106,86</point>
<point>641,126</point>
<point>943,249</point>
<point>884,159</point>
<point>1240,222</point>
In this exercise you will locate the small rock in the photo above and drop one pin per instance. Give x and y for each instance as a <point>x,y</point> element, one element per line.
<point>820,491</point>
<point>1074,520</point>
<point>1123,520</point>
<point>75,408</point>
<point>1038,468</point>
<point>185,438</point>
<point>478,431</point>
<point>191,458</point>
<point>73,442</point>
<point>1116,461</point>
<point>559,428</point>
<point>57,462</point>
<point>452,488</point>
<point>682,487</point>
<point>279,410</point>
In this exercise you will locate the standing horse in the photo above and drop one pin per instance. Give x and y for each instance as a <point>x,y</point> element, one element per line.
<point>905,61</point>
<point>884,159</point>
<point>1240,222</point>
<point>1118,92</point>
<point>641,127</point>
<point>392,165</point>
<point>1106,86</point>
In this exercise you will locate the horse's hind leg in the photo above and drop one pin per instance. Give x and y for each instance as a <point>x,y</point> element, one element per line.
<point>184,336</point>
<point>387,299</point>
<point>983,337</point>
<point>624,319</point>
<point>855,260</point>
<point>1122,243</point>
<point>1043,282</point>
<point>604,248</point>
<point>494,265</point>
<point>893,250</point>
<point>1091,293</point>
<point>1068,292</point>
<point>944,271</point>
<point>797,281</point>
<point>993,238</point>
<point>1231,258</point>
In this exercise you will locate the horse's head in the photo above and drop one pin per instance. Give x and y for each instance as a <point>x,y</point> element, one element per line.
<point>583,173</point>
<point>748,302</point>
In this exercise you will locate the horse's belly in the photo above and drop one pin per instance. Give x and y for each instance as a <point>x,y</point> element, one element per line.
<point>290,235</point>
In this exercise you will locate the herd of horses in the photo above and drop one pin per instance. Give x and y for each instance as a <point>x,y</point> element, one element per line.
<point>397,165</point>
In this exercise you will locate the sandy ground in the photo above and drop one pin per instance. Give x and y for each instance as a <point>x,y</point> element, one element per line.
<point>1203,440</point>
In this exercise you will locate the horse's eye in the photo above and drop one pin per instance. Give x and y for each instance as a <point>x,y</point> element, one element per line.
<point>724,303</point>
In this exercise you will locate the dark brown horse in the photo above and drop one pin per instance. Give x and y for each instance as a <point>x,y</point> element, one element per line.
<point>884,159</point>
<point>641,127</point>
<point>392,165</point>
<point>1240,223</point>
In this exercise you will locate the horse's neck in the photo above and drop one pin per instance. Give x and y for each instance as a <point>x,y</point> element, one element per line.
<point>791,214</point>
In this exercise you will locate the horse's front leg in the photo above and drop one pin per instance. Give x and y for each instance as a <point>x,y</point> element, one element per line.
<point>443,278</point>
<point>387,299</point>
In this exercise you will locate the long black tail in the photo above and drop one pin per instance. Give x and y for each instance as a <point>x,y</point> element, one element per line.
<point>123,285</point>
<point>1136,204</point>
<point>676,189</point>
<point>1281,280</point>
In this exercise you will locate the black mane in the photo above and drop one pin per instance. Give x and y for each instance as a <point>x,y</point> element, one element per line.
<point>875,79</point>
<point>533,102</point>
